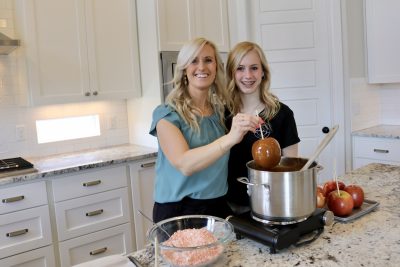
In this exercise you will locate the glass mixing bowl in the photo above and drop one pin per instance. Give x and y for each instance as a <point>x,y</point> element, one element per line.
<point>192,240</point>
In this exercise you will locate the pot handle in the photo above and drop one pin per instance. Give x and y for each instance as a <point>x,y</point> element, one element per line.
<point>244,180</point>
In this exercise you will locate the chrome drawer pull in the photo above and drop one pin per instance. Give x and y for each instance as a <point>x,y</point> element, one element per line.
<point>86,184</point>
<point>385,151</point>
<point>17,233</point>
<point>98,251</point>
<point>12,199</point>
<point>94,213</point>
<point>148,165</point>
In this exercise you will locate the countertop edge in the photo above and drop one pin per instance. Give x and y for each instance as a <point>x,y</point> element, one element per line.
<point>50,166</point>
<point>379,131</point>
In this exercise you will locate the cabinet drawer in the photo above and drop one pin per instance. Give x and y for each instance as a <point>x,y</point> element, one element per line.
<point>22,197</point>
<point>36,258</point>
<point>385,149</point>
<point>115,240</point>
<point>24,230</point>
<point>84,215</point>
<point>85,183</point>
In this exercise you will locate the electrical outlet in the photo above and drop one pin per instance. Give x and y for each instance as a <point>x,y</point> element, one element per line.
<point>20,134</point>
<point>112,122</point>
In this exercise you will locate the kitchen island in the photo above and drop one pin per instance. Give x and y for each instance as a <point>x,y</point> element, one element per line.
<point>371,240</point>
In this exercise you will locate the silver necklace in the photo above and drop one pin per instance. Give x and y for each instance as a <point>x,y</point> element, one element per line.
<point>256,110</point>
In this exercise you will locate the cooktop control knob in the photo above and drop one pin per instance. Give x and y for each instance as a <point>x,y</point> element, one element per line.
<point>328,218</point>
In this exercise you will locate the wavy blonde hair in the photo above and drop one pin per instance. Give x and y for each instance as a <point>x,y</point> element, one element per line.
<point>180,99</point>
<point>235,103</point>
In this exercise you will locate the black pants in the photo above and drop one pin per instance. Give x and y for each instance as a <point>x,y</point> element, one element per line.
<point>188,206</point>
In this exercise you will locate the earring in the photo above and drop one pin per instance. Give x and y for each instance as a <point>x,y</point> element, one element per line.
<point>185,80</point>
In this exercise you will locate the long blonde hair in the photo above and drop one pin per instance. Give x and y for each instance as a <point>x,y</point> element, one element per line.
<point>180,99</point>
<point>235,103</point>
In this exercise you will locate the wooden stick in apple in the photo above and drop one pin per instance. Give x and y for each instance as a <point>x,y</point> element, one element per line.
<point>335,176</point>
<point>261,131</point>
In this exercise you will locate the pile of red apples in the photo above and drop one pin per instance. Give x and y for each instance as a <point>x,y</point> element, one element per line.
<point>339,198</point>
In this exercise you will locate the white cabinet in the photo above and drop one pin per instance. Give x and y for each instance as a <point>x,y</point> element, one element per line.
<point>99,244</point>
<point>24,230</point>
<point>41,257</point>
<point>22,196</point>
<point>375,150</point>
<point>92,214</point>
<point>382,40</point>
<point>80,50</point>
<point>142,181</point>
<point>182,20</point>
<point>87,214</point>
<point>25,226</point>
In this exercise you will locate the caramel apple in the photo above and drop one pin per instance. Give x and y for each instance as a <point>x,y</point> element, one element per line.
<point>266,152</point>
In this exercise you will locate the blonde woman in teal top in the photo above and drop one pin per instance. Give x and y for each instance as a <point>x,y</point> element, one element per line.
<point>191,168</point>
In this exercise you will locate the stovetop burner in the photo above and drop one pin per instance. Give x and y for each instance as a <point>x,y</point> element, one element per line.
<point>13,164</point>
<point>278,237</point>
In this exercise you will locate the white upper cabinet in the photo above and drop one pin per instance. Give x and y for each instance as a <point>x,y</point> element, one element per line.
<point>382,40</point>
<point>182,20</point>
<point>80,50</point>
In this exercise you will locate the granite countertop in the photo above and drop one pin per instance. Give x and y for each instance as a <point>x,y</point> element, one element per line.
<point>73,162</point>
<point>383,131</point>
<point>371,240</point>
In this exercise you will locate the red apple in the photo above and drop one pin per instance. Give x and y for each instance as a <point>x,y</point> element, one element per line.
<point>340,203</point>
<point>329,186</point>
<point>357,193</point>
<point>266,152</point>
<point>320,200</point>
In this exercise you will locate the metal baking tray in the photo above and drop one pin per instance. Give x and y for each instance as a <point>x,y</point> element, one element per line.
<point>366,207</point>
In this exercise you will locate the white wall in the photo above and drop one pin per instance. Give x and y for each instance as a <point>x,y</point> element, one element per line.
<point>15,111</point>
<point>140,109</point>
<point>390,108</point>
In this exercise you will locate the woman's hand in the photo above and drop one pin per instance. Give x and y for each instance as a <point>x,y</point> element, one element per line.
<point>243,123</point>
<point>189,161</point>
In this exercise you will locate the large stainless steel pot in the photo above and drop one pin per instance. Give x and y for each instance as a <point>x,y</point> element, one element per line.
<point>284,194</point>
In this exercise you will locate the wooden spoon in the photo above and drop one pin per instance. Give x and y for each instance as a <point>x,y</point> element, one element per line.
<point>321,146</point>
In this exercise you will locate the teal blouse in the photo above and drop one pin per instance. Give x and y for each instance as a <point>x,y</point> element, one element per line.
<point>170,184</point>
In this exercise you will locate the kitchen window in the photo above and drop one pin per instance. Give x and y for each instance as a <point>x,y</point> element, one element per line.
<point>62,129</point>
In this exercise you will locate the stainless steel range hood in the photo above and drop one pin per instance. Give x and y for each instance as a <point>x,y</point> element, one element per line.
<point>7,45</point>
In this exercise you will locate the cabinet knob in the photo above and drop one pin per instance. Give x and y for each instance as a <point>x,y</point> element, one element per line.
<point>95,93</point>
<point>87,94</point>
<point>325,130</point>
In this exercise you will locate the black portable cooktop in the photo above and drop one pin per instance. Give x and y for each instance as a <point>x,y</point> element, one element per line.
<point>279,237</point>
<point>13,164</point>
